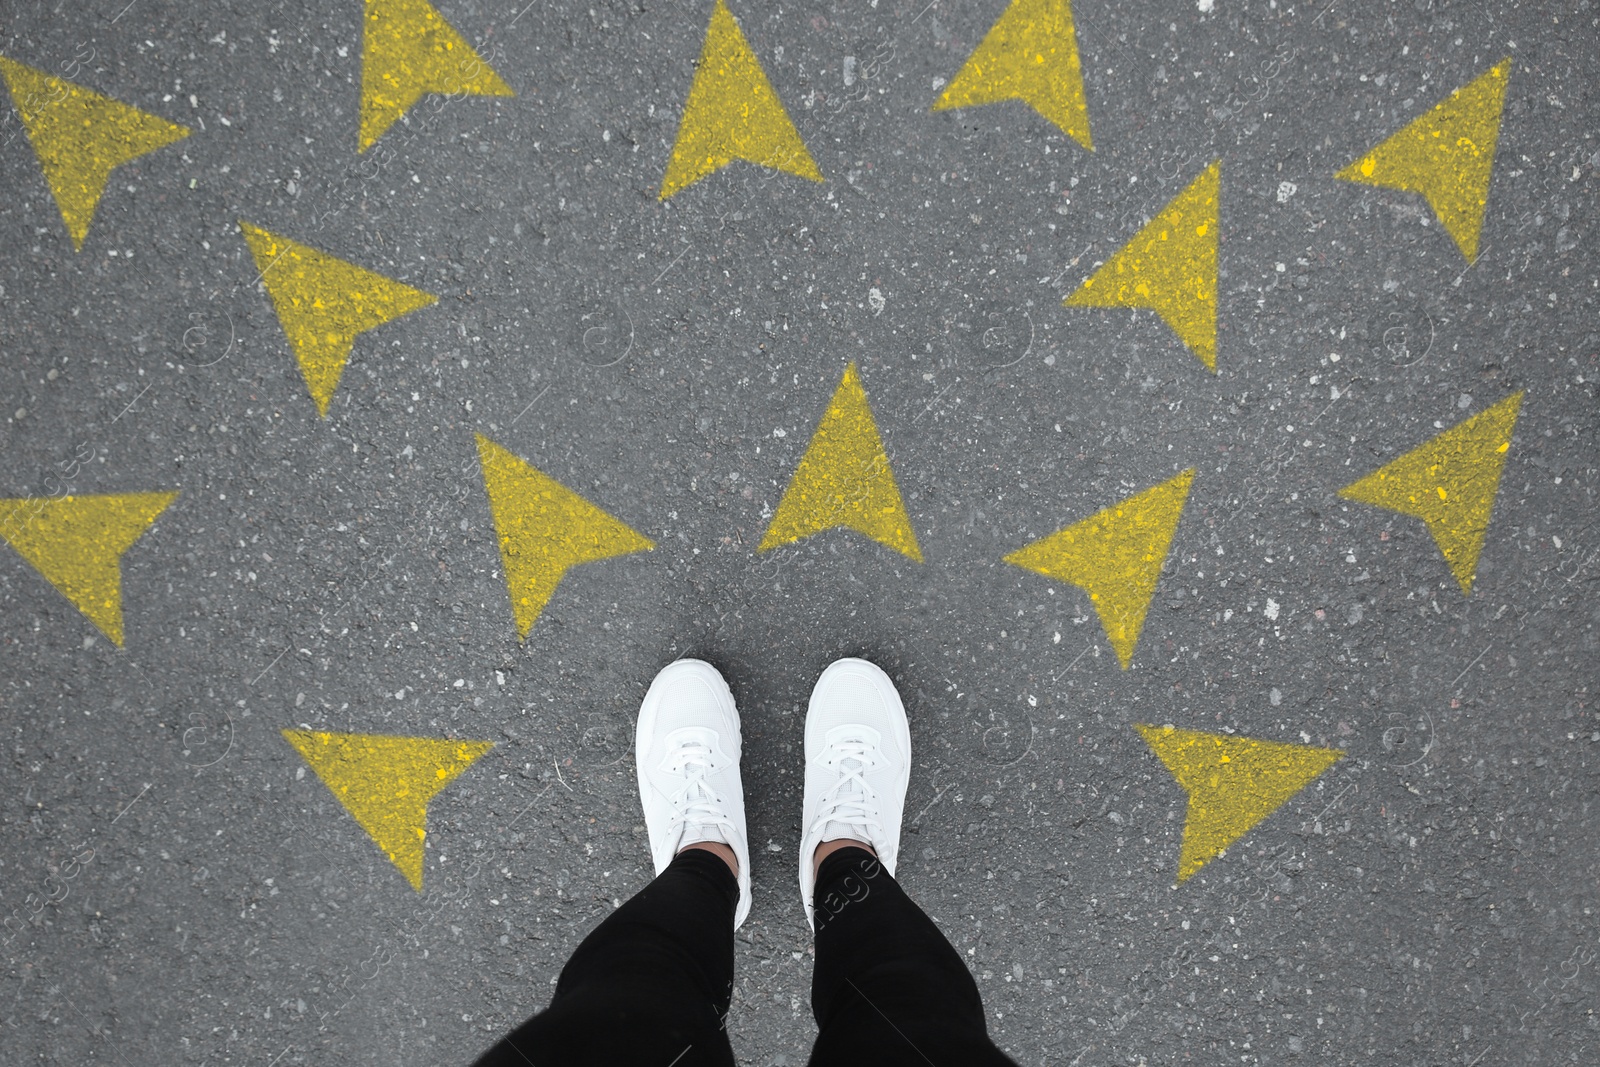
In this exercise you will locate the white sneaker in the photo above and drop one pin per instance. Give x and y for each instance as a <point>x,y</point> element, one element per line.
<point>858,763</point>
<point>687,749</point>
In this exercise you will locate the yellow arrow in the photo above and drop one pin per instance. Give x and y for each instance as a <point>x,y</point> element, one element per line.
<point>1115,556</point>
<point>77,543</point>
<point>80,137</point>
<point>844,480</point>
<point>407,51</point>
<point>544,529</point>
<point>1029,54</point>
<point>386,782</point>
<point>732,113</point>
<point>1450,483</point>
<point>324,303</point>
<point>1446,155</point>
<point>1233,783</point>
<point>1171,267</point>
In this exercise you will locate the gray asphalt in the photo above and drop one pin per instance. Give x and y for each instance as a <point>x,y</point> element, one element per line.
<point>1428,900</point>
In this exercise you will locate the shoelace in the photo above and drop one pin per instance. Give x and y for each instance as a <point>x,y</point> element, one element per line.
<point>851,800</point>
<point>696,804</point>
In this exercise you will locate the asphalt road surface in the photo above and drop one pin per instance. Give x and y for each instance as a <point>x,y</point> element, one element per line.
<point>387,395</point>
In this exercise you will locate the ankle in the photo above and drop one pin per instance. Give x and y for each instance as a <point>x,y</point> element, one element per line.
<point>828,848</point>
<point>719,850</point>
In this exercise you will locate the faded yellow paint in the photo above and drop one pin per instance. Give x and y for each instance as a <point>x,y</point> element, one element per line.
<point>1446,155</point>
<point>1115,556</point>
<point>1233,783</point>
<point>732,113</point>
<point>77,543</point>
<point>844,480</point>
<point>80,137</point>
<point>1029,54</point>
<point>324,303</point>
<point>386,783</point>
<point>1171,267</point>
<point>1450,483</point>
<point>407,51</point>
<point>544,529</point>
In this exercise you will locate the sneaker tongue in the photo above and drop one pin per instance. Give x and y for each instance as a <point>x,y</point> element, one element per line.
<point>694,758</point>
<point>695,833</point>
<point>850,790</point>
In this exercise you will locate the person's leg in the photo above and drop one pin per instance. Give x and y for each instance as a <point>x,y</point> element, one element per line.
<point>888,988</point>
<point>652,983</point>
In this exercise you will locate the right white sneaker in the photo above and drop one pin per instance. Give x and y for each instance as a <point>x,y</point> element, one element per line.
<point>858,764</point>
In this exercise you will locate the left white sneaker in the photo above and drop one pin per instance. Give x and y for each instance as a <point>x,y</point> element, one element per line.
<point>687,749</point>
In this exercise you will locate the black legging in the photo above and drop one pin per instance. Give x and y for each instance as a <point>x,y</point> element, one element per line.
<point>651,985</point>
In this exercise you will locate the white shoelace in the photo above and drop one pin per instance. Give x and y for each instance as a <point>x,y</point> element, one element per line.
<point>696,805</point>
<point>851,802</point>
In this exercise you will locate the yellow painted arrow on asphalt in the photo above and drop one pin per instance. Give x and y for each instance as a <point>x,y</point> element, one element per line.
<point>1029,54</point>
<point>80,137</point>
<point>1233,783</point>
<point>732,113</point>
<point>386,782</point>
<point>545,529</point>
<point>77,542</point>
<point>1115,555</point>
<point>324,304</point>
<point>1171,267</point>
<point>1446,155</point>
<point>844,480</point>
<point>1450,483</point>
<point>407,51</point>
